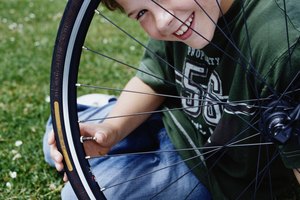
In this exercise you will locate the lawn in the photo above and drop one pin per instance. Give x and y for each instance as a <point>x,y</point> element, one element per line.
<point>27,34</point>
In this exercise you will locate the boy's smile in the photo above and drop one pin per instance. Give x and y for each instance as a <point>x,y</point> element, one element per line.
<point>173,20</point>
<point>185,30</point>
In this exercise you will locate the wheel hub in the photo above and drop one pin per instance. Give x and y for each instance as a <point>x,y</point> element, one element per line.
<point>280,121</point>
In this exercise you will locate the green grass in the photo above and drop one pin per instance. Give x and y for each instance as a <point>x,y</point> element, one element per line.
<point>28,31</point>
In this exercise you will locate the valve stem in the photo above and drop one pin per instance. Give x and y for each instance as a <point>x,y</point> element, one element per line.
<point>89,138</point>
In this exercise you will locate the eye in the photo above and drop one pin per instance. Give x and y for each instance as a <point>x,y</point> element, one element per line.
<point>140,14</point>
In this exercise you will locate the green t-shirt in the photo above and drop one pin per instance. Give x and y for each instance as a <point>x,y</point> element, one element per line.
<point>215,83</point>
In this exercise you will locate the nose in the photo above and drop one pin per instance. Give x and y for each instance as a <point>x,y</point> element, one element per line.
<point>163,19</point>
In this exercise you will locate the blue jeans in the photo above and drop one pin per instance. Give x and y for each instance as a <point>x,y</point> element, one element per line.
<point>167,167</point>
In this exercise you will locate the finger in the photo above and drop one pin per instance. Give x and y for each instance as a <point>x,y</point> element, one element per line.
<point>65,177</point>
<point>55,154</point>
<point>100,138</point>
<point>57,158</point>
<point>59,166</point>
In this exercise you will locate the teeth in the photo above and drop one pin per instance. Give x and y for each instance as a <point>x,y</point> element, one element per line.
<point>185,26</point>
<point>180,32</point>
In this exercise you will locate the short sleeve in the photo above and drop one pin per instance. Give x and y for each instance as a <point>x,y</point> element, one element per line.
<point>154,68</point>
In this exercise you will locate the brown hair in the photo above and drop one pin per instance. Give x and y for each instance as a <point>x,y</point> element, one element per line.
<point>111,5</point>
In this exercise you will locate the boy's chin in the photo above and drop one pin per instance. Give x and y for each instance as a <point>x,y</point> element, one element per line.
<point>199,41</point>
<point>198,44</point>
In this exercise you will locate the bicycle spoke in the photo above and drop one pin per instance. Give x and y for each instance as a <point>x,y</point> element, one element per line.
<point>211,148</point>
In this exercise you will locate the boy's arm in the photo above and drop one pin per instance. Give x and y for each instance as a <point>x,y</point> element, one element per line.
<point>112,130</point>
<point>123,118</point>
<point>130,104</point>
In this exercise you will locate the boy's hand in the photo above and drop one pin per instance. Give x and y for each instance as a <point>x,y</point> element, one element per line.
<point>105,138</point>
<point>56,155</point>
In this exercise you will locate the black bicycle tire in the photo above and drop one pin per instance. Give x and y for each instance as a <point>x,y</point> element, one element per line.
<point>65,61</point>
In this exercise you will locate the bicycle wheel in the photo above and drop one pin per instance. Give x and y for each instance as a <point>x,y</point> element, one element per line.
<point>267,119</point>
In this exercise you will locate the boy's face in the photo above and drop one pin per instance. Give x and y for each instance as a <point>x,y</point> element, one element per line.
<point>173,20</point>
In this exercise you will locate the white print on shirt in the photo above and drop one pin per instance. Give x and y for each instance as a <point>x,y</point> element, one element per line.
<point>199,98</point>
<point>203,98</point>
<point>213,100</point>
<point>200,54</point>
<point>193,92</point>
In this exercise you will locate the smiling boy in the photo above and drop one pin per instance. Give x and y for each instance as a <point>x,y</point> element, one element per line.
<point>191,36</point>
